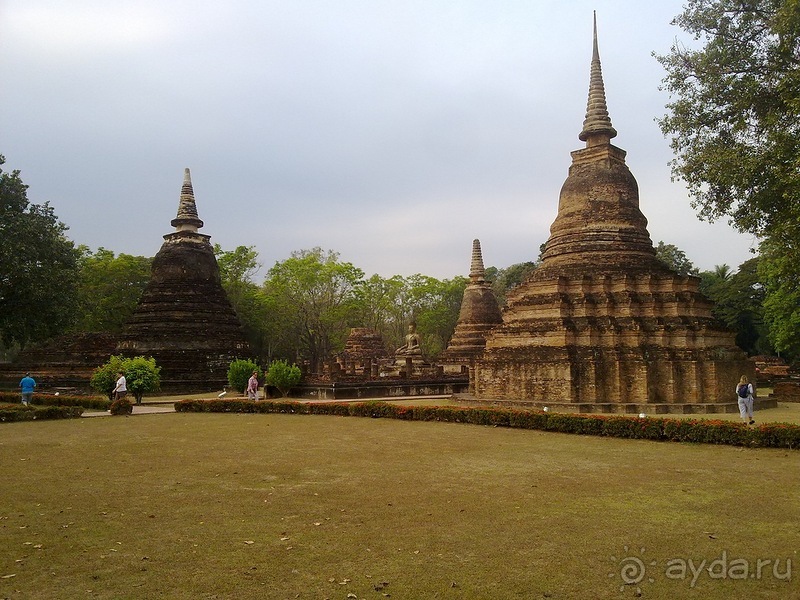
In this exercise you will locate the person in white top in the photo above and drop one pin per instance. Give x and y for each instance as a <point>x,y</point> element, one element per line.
<point>744,395</point>
<point>121,389</point>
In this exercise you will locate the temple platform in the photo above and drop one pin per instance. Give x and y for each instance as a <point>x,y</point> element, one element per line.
<point>649,409</point>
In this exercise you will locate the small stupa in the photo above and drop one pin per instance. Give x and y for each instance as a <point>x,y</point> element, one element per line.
<point>602,324</point>
<point>184,319</point>
<point>479,314</point>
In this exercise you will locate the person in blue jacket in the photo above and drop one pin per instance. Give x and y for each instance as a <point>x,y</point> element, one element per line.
<point>27,385</point>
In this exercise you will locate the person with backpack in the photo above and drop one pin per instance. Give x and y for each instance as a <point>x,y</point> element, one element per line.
<point>745,393</point>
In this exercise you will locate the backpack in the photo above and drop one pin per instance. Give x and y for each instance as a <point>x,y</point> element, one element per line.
<point>744,390</point>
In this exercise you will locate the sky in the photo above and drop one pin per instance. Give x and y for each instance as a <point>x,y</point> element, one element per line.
<point>393,133</point>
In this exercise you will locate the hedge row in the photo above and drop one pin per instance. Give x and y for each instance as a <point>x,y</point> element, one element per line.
<point>768,435</point>
<point>60,400</point>
<point>19,412</point>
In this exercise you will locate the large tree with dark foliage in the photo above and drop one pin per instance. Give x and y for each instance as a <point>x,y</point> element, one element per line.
<point>734,123</point>
<point>39,267</point>
<point>734,113</point>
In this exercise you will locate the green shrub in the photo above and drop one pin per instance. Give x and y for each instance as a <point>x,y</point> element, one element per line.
<point>239,373</point>
<point>40,399</point>
<point>142,376</point>
<point>104,378</point>
<point>122,406</point>
<point>12,414</point>
<point>283,376</point>
<point>66,400</point>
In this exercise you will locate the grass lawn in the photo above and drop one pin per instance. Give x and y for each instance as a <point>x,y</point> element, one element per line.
<point>287,506</point>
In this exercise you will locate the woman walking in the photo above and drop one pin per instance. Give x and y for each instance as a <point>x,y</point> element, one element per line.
<point>745,393</point>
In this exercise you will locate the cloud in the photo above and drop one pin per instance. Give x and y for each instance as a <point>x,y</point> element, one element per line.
<point>392,132</point>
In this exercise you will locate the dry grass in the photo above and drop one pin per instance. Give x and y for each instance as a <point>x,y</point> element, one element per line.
<point>280,506</point>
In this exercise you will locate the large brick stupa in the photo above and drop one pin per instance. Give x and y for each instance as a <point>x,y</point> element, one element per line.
<point>602,324</point>
<point>184,319</point>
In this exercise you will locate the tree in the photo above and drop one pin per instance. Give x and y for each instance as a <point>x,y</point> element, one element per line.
<point>109,288</point>
<point>734,122</point>
<point>780,269</point>
<point>249,300</point>
<point>734,114</point>
<point>312,296</point>
<point>39,267</point>
<point>283,376</point>
<point>435,304</point>
<point>505,280</point>
<point>739,299</point>
<point>378,302</point>
<point>675,259</point>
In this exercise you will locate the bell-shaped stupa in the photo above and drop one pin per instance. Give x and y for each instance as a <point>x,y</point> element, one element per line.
<point>184,319</point>
<point>478,315</point>
<point>601,324</point>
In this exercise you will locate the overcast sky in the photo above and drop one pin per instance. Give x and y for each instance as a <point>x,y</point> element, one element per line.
<point>393,132</point>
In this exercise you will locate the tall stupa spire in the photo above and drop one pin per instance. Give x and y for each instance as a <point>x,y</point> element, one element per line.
<point>477,274</point>
<point>597,128</point>
<point>187,219</point>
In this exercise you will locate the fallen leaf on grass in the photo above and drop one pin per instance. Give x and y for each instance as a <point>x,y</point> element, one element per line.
<point>249,542</point>
<point>9,576</point>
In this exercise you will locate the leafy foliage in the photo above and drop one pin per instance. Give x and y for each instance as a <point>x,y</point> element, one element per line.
<point>675,259</point>
<point>780,269</point>
<point>249,300</point>
<point>121,406</point>
<point>239,373</point>
<point>734,123</point>
<point>60,400</point>
<point>12,414</point>
<point>312,297</point>
<point>39,267</point>
<point>142,376</point>
<point>505,280</point>
<point>109,287</point>
<point>104,377</point>
<point>436,304</point>
<point>739,301</point>
<point>734,114</point>
<point>283,376</point>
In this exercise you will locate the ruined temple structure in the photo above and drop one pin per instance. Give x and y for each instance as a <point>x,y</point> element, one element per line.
<point>602,325</point>
<point>63,363</point>
<point>363,352</point>
<point>184,319</point>
<point>479,314</point>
